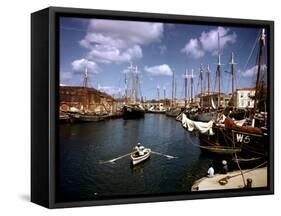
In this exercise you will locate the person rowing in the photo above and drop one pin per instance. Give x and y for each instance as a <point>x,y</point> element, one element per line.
<point>140,149</point>
<point>140,154</point>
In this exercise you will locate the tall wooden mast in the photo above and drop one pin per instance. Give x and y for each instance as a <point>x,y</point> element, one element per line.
<point>262,44</point>
<point>219,72</point>
<point>232,75</point>
<point>185,87</point>
<point>173,88</point>
<point>201,81</point>
<point>85,88</point>
<point>137,85</point>
<point>191,86</point>
<point>85,82</point>
<point>126,88</point>
<point>175,93</point>
<point>158,93</point>
<point>209,96</point>
<point>131,83</point>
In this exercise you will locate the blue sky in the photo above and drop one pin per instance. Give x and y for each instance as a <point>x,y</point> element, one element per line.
<point>107,47</point>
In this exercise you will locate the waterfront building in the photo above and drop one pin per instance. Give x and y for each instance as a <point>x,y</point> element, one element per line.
<point>74,98</point>
<point>224,99</point>
<point>244,98</point>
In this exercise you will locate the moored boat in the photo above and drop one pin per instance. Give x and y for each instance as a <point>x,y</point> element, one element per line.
<point>173,112</point>
<point>133,111</point>
<point>251,140</point>
<point>64,117</point>
<point>88,117</point>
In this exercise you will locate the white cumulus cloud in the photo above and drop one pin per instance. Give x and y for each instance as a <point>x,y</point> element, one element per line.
<point>208,42</point>
<point>80,65</point>
<point>193,48</point>
<point>159,70</point>
<point>110,41</point>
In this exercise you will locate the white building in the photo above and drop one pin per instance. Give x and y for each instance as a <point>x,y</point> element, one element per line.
<point>245,98</point>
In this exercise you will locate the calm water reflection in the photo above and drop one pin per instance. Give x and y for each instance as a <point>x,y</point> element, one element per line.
<point>81,176</point>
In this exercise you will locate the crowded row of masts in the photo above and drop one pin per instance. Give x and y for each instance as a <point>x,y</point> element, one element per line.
<point>258,86</point>
<point>133,85</point>
<point>131,93</point>
<point>203,79</point>
<point>202,82</point>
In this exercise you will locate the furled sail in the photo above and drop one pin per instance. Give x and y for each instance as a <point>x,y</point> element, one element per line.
<point>202,127</point>
<point>213,104</point>
<point>229,123</point>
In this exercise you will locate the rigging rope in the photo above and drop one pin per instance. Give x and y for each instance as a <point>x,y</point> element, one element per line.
<point>240,169</point>
<point>251,53</point>
<point>224,180</point>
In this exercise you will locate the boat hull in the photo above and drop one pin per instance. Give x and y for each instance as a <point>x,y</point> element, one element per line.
<point>132,112</point>
<point>173,113</point>
<point>84,118</point>
<point>138,159</point>
<point>228,141</point>
<point>221,150</point>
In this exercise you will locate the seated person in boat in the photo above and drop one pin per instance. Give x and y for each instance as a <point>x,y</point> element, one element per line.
<point>211,171</point>
<point>224,167</point>
<point>140,149</point>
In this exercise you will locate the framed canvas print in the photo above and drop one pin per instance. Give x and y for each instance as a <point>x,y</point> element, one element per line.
<point>137,107</point>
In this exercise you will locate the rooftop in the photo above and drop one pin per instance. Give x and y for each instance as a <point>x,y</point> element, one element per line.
<point>246,89</point>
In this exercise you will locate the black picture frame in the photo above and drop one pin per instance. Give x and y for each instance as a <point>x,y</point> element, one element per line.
<point>44,102</point>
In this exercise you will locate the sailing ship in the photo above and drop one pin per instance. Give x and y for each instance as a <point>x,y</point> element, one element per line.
<point>173,110</point>
<point>223,135</point>
<point>250,139</point>
<point>199,111</point>
<point>84,114</point>
<point>133,109</point>
<point>158,107</point>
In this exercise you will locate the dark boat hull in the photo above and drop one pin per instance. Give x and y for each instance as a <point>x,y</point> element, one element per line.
<point>84,118</point>
<point>251,144</point>
<point>132,112</point>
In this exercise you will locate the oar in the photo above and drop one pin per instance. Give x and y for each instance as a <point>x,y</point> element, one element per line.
<point>118,158</point>
<point>167,156</point>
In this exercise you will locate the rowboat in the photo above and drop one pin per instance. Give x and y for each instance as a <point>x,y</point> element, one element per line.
<point>136,158</point>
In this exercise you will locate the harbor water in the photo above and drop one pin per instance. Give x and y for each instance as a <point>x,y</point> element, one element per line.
<point>83,172</point>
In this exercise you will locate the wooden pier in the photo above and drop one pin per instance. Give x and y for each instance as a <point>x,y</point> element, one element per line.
<point>232,180</point>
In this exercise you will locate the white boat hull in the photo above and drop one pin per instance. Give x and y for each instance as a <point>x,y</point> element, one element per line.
<point>138,159</point>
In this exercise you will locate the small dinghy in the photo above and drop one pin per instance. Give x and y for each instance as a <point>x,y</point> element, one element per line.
<point>141,155</point>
